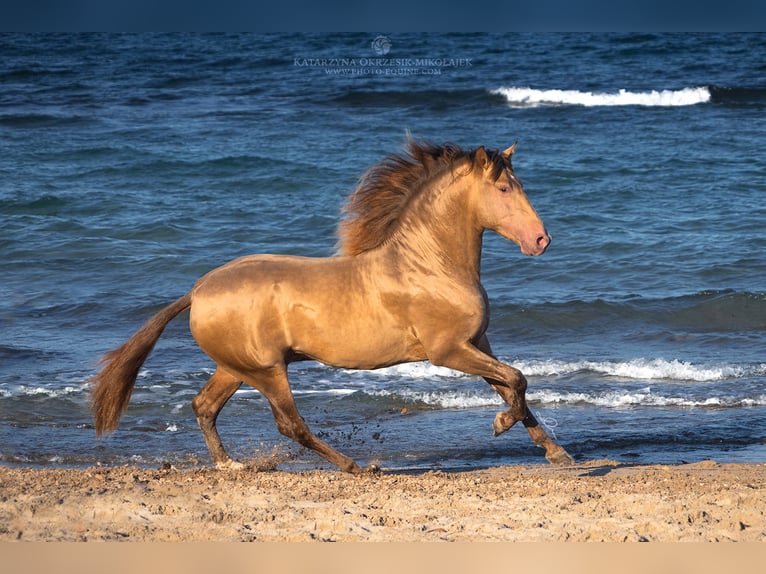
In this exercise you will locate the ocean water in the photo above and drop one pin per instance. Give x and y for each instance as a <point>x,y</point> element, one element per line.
<point>130,165</point>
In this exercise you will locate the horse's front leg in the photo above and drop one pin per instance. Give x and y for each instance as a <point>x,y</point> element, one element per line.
<point>511,385</point>
<point>554,452</point>
<point>505,420</point>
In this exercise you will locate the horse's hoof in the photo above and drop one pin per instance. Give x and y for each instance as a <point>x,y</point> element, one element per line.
<point>229,465</point>
<point>503,421</point>
<point>560,458</point>
<point>372,469</point>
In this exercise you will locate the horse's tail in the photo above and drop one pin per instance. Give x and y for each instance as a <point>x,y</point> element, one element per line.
<point>115,382</point>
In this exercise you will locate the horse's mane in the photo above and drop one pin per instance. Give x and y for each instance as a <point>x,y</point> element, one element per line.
<point>374,209</point>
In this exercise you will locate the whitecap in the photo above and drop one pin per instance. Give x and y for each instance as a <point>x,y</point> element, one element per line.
<point>442,399</point>
<point>640,398</point>
<point>416,370</point>
<point>531,97</point>
<point>642,369</point>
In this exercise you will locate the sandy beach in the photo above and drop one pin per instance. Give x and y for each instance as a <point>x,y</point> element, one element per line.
<point>594,501</point>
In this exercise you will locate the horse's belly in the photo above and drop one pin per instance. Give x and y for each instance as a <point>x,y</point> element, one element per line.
<point>353,340</point>
<point>363,353</point>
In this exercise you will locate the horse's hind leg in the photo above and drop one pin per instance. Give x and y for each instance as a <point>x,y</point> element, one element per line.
<point>554,453</point>
<point>207,404</point>
<point>273,384</point>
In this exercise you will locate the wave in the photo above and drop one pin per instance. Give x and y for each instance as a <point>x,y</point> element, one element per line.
<point>41,391</point>
<point>639,369</point>
<point>646,397</point>
<point>418,370</point>
<point>640,398</point>
<point>525,97</point>
<point>723,311</point>
<point>395,381</point>
<point>643,369</point>
<point>446,399</point>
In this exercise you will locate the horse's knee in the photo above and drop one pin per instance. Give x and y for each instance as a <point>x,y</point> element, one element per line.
<point>283,424</point>
<point>294,428</point>
<point>516,380</point>
<point>513,392</point>
<point>214,395</point>
<point>205,411</point>
<point>513,386</point>
<point>202,411</point>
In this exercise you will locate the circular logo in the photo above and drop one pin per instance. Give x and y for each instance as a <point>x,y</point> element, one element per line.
<point>381,45</point>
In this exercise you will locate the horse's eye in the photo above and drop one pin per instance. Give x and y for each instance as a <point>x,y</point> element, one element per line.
<point>504,189</point>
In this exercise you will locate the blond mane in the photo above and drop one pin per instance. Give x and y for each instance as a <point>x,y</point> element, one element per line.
<point>373,210</point>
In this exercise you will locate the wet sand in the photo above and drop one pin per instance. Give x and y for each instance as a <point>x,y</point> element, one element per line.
<point>595,501</point>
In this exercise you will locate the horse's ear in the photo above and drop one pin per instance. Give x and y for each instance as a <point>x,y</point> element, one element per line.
<point>509,152</point>
<point>481,157</point>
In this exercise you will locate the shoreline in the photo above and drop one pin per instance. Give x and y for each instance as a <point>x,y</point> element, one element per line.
<point>593,501</point>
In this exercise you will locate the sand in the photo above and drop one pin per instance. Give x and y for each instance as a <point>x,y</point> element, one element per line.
<point>595,501</point>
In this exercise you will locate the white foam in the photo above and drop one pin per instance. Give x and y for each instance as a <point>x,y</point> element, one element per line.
<point>442,399</point>
<point>531,97</point>
<point>418,370</point>
<point>332,392</point>
<point>30,391</point>
<point>639,369</point>
<point>615,399</point>
<point>644,398</point>
<point>642,369</point>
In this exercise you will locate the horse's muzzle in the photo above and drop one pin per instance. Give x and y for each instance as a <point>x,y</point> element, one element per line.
<point>538,246</point>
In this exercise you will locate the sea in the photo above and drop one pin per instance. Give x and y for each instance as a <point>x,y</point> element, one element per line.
<point>132,164</point>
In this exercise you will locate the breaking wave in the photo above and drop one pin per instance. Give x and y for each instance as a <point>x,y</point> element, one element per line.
<point>525,97</point>
<point>644,369</point>
<point>622,398</point>
<point>636,369</point>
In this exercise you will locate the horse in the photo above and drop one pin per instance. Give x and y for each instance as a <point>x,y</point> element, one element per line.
<point>404,286</point>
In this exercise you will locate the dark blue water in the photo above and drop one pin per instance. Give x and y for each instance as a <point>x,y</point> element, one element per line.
<point>132,164</point>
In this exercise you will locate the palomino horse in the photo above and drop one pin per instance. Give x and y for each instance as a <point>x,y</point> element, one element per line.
<point>404,287</point>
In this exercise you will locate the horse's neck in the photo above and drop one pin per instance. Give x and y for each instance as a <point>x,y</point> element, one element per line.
<point>440,233</point>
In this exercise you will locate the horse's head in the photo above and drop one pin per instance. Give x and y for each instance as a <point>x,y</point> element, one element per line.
<point>503,206</point>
